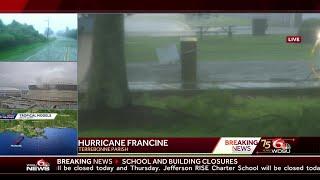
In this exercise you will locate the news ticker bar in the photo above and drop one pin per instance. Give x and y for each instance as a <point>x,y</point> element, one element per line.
<point>160,165</point>
<point>222,146</point>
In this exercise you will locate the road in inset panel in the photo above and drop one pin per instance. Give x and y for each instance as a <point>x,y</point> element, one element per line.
<point>61,49</point>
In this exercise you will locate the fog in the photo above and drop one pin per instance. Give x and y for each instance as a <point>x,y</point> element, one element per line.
<point>21,74</point>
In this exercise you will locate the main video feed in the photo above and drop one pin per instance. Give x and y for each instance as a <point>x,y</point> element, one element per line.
<point>38,108</point>
<point>199,74</point>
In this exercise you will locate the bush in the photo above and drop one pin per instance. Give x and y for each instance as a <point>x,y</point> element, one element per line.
<point>6,39</point>
<point>309,30</point>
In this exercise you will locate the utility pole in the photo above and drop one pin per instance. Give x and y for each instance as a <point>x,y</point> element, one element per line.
<point>48,28</point>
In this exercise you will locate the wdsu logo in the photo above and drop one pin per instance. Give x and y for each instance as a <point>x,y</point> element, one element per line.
<point>276,146</point>
<point>280,146</point>
<point>41,165</point>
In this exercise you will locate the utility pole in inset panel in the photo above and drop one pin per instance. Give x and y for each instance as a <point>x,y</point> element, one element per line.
<point>48,28</point>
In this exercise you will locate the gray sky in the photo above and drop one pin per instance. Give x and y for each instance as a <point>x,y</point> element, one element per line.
<point>22,74</point>
<point>57,21</point>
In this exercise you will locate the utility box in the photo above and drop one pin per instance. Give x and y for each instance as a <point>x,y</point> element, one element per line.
<point>188,58</point>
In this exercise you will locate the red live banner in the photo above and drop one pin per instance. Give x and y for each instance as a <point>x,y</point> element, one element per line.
<point>294,39</point>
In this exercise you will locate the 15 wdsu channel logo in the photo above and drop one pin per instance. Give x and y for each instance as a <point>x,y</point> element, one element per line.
<point>41,166</point>
<point>276,146</point>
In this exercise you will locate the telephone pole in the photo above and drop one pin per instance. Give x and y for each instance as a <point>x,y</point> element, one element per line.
<point>48,28</point>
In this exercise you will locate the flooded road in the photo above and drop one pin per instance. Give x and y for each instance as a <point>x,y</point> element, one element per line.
<point>61,49</point>
<point>224,74</point>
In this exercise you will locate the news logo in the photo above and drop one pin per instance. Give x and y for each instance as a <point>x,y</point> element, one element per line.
<point>276,146</point>
<point>40,166</point>
<point>280,144</point>
<point>42,162</point>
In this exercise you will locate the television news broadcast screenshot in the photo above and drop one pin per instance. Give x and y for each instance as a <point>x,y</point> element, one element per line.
<point>192,87</point>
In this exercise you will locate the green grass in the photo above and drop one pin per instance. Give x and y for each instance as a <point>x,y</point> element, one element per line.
<point>223,114</point>
<point>21,52</point>
<point>222,48</point>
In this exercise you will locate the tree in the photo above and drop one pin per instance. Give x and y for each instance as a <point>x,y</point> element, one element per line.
<point>70,33</point>
<point>14,24</point>
<point>73,33</point>
<point>108,85</point>
<point>201,22</point>
<point>2,26</point>
<point>309,30</point>
<point>15,34</point>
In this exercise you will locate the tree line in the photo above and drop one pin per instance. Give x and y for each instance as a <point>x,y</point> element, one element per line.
<point>15,34</point>
<point>70,33</point>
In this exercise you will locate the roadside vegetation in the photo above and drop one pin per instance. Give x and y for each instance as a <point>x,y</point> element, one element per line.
<point>16,34</point>
<point>220,113</point>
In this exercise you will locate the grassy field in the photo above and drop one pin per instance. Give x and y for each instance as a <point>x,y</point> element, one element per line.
<point>20,53</point>
<point>222,114</point>
<point>221,48</point>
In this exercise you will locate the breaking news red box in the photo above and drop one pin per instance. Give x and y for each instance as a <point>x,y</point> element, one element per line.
<point>157,87</point>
